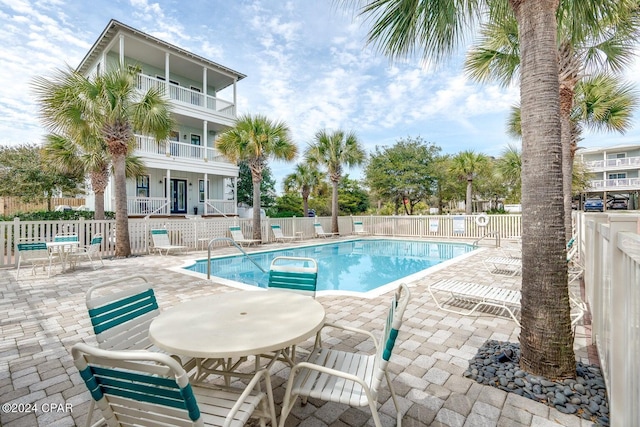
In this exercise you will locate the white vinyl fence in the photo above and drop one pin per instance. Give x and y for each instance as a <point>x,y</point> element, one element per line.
<point>610,248</point>
<point>196,232</point>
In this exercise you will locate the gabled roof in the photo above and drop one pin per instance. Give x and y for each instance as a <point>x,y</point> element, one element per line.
<point>114,28</point>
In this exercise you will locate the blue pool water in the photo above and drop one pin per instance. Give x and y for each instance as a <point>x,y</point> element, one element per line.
<point>350,266</point>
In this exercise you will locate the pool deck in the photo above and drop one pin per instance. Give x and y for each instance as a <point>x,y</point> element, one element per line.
<point>40,319</point>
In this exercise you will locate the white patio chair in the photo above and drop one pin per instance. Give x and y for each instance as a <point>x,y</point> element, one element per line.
<point>278,236</point>
<point>320,231</point>
<point>144,388</point>
<point>345,377</point>
<point>121,311</point>
<point>238,237</point>
<point>161,242</point>
<point>90,253</point>
<point>35,254</point>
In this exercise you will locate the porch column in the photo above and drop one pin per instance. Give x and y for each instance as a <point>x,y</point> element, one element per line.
<point>235,195</point>
<point>235,103</point>
<point>206,192</point>
<point>166,73</point>
<point>205,139</point>
<point>121,50</point>
<point>167,191</point>
<point>204,85</point>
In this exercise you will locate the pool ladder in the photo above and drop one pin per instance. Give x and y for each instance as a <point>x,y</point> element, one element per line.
<point>233,242</point>
<point>495,234</point>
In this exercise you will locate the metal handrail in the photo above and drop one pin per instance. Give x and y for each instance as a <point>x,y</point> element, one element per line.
<point>489,234</point>
<point>233,242</point>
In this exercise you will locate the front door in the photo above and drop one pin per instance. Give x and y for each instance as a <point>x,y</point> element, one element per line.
<point>178,188</point>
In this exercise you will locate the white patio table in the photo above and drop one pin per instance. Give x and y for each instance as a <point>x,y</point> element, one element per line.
<point>63,248</point>
<point>228,327</point>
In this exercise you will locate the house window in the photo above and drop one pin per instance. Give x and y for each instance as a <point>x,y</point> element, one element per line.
<point>98,69</point>
<point>142,186</point>
<point>201,197</point>
<point>617,156</point>
<point>622,175</point>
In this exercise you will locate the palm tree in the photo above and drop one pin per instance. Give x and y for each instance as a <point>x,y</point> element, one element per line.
<point>582,50</point>
<point>437,28</point>
<point>334,150</point>
<point>255,139</point>
<point>106,107</point>
<point>467,165</point>
<point>304,178</point>
<point>510,167</point>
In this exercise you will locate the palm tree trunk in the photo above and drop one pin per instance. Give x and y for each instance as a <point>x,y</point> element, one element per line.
<point>99,182</point>
<point>257,229</point>
<point>566,104</point>
<point>305,202</point>
<point>98,205</point>
<point>334,207</point>
<point>468,204</point>
<point>545,339</point>
<point>123,245</point>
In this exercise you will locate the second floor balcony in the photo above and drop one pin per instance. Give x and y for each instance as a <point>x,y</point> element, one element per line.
<point>148,145</point>
<point>623,184</point>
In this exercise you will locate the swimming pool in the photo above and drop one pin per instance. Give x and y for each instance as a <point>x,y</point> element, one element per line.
<point>366,266</point>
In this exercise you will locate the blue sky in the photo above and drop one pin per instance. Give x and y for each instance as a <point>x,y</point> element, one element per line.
<point>306,64</point>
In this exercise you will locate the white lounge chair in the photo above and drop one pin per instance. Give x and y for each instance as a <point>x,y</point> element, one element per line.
<point>278,236</point>
<point>145,388</point>
<point>345,377</point>
<point>238,237</point>
<point>320,231</point>
<point>91,253</point>
<point>358,228</point>
<point>161,242</point>
<point>35,254</point>
<point>474,296</point>
<point>503,265</point>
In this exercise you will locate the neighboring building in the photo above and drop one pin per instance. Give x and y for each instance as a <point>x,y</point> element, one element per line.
<point>616,173</point>
<point>185,174</point>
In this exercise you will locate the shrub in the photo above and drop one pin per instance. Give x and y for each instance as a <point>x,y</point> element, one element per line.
<point>55,216</point>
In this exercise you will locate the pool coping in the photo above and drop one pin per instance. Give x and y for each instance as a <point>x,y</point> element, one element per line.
<point>380,290</point>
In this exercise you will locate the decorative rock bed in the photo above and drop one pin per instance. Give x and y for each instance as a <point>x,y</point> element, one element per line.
<point>497,364</point>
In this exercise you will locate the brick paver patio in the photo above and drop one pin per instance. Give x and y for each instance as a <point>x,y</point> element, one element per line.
<point>40,319</point>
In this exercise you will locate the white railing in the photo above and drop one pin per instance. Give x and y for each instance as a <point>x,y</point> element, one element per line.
<point>615,184</point>
<point>147,144</point>
<point>188,96</point>
<point>147,206</point>
<point>611,253</point>
<point>224,207</point>
<point>625,162</point>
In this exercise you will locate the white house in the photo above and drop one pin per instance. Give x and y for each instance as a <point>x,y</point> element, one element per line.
<point>185,174</point>
<point>615,170</point>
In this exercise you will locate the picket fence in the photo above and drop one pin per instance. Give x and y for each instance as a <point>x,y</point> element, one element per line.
<point>197,231</point>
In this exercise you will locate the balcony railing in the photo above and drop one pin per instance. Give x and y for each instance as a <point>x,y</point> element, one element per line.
<point>146,144</point>
<point>160,206</point>
<point>188,96</point>
<point>220,207</point>
<point>625,162</point>
<point>615,184</point>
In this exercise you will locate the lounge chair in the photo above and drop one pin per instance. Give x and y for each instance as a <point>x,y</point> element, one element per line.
<point>347,377</point>
<point>473,296</point>
<point>152,389</point>
<point>278,236</point>
<point>358,229</point>
<point>36,254</point>
<point>238,237</point>
<point>161,242</point>
<point>320,232</point>
<point>90,253</point>
<point>503,265</point>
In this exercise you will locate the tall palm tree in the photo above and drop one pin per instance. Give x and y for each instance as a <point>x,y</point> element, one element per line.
<point>107,107</point>
<point>255,139</point>
<point>304,178</point>
<point>400,28</point>
<point>335,150</point>
<point>582,50</point>
<point>467,164</point>
<point>510,167</point>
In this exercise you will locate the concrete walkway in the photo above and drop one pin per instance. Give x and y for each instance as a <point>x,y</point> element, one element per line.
<point>40,319</point>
